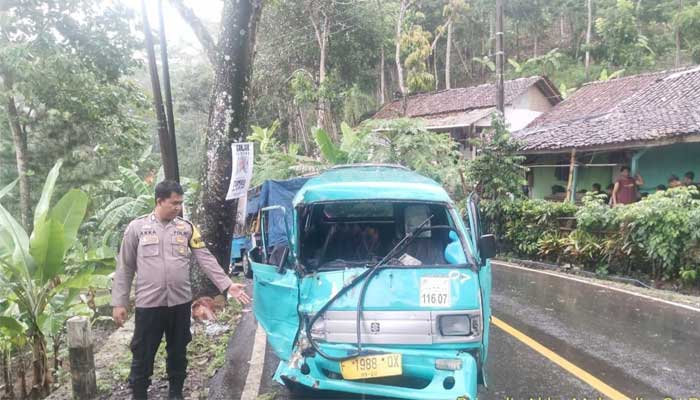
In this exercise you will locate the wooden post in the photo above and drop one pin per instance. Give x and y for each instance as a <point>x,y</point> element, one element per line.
<point>569,185</point>
<point>82,360</point>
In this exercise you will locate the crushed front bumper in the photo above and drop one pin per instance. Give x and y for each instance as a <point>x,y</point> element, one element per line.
<point>420,379</point>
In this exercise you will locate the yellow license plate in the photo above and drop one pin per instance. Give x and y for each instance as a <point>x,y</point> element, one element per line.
<point>375,366</point>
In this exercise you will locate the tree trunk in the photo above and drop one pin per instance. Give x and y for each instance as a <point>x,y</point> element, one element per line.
<point>56,351</point>
<point>435,70</point>
<point>500,59</point>
<point>382,82</point>
<point>19,140</point>
<point>228,124</point>
<point>167,147</point>
<point>561,30</point>
<point>7,375</point>
<point>678,37</point>
<point>41,379</point>
<point>517,40</point>
<point>448,52</point>
<point>199,30</point>
<point>399,69</point>
<point>588,39</point>
<point>534,47</point>
<point>23,392</point>
<point>467,69</point>
<point>168,92</point>
<point>321,29</point>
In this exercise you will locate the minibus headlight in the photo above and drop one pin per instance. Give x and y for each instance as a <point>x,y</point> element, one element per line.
<point>454,325</point>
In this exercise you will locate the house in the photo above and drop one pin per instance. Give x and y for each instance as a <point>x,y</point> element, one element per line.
<point>465,112</point>
<point>650,122</point>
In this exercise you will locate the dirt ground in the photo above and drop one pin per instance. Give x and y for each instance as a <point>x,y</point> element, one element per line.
<point>205,354</point>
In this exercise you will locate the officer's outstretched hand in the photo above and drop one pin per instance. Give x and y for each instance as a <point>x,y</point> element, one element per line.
<point>237,291</point>
<point>119,315</point>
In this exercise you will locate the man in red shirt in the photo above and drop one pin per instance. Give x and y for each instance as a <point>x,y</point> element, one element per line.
<point>625,190</point>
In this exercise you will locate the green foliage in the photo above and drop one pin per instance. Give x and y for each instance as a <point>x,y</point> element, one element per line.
<point>273,161</point>
<point>521,224</point>
<point>621,42</point>
<point>688,21</point>
<point>416,44</point>
<point>497,169</point>
<point>329,151</point>
<point>664,227</point>
<point>405,141</point>
<point>64,62</point>
<point>35,269</point>
<point>658,236</point>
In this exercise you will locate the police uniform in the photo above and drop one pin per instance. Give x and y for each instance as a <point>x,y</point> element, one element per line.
<point>158,254</point>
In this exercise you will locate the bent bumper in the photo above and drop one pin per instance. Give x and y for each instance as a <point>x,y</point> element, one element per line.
<point>419,380</point>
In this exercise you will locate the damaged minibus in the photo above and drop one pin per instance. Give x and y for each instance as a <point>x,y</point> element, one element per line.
<point>381,289</point>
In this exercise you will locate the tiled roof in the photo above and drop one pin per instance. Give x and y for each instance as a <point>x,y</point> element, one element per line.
<point>462,99</point>
<point>622,112</point>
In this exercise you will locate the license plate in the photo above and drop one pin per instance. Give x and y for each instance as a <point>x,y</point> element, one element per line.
<point>375,366</point>
<point>435,292</point>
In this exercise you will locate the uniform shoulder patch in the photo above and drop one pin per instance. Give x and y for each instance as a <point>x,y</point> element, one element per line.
<point>196,241</point>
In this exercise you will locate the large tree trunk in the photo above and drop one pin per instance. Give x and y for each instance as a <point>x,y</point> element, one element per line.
<point>588,38</point>
<point>448,52</point>
<point>228,124</point>
<point>19,139</point>
<point>399,69</point>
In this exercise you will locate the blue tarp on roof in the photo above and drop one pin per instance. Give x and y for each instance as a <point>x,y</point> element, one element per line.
<point>278,193</point>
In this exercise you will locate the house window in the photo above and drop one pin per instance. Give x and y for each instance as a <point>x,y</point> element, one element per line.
<point>562,173</point>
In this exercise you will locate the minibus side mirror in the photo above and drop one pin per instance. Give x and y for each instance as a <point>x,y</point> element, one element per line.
<point>487,247</point>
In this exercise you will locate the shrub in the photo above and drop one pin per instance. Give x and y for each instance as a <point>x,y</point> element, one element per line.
<point>658,236</point>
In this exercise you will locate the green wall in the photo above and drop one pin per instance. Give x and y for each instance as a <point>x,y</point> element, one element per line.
<point>544,179</point>
<point>657,164</point>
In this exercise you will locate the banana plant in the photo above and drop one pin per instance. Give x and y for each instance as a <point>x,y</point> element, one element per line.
<point>35,268</point>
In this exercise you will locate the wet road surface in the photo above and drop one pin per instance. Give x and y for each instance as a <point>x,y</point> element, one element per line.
<point>636,346</point>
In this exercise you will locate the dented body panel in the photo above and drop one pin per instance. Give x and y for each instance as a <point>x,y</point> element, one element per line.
<point>435,316</point>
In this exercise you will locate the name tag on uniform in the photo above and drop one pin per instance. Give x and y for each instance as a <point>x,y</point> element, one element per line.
<point>149,239</point>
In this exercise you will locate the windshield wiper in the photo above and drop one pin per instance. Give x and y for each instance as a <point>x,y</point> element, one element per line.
<point>366,276</point>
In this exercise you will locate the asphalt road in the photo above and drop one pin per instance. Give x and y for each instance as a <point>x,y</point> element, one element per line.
<point>554,338</point>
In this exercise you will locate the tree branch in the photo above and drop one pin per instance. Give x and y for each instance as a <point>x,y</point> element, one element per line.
<point>198,28</point>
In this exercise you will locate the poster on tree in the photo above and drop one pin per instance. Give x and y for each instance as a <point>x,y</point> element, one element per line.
<point>241,170</point>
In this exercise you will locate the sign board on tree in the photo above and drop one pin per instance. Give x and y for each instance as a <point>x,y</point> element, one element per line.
<point>241,170</point>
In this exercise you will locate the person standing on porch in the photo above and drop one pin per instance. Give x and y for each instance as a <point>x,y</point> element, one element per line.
<point>625,189</point>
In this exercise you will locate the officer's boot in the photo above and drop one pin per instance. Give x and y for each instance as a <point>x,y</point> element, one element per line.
<point>139,391</point>
<point>175,389</point>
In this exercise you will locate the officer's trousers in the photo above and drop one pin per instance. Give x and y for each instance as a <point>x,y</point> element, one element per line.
<point>151,323</point>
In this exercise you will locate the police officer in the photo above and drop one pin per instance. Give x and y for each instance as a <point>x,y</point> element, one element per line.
<point>156,248</point>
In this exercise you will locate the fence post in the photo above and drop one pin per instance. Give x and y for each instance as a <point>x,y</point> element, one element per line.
<point>82,360</point>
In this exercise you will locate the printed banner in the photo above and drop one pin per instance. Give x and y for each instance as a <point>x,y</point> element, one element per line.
<point>241,171</point>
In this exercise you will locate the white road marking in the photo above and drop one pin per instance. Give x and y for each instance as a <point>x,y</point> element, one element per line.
<point>256,364</point>
<point>563,276</point>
